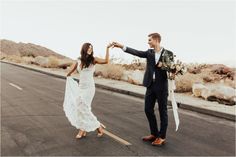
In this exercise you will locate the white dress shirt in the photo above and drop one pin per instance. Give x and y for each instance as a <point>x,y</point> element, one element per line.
<point>157,56</point>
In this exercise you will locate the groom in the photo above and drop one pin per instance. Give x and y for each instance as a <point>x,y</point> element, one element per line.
<point>155,79</point>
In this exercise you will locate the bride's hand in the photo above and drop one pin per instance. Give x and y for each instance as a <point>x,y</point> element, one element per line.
<point>110,45</point>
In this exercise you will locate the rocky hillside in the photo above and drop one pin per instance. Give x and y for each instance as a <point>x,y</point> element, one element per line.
<point>9,47</point>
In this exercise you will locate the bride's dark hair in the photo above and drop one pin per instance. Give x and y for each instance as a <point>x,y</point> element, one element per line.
<point>86,59</point>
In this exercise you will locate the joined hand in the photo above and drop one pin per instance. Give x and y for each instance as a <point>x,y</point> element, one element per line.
<point>116,44</point>
<point>110,45</point>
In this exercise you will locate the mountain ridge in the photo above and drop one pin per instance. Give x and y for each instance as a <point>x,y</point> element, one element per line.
<point>10,47</point>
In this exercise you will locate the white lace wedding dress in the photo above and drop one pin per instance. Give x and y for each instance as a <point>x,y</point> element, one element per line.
<point>78,99</point>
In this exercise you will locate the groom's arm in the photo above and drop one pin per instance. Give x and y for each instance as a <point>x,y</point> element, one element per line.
<point>142,54</point>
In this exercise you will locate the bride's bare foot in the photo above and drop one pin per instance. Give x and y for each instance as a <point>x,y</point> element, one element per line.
<point>100,130</point>
<point>81,134</point>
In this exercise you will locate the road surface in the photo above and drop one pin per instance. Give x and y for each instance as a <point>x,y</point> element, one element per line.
<point>33,123</point>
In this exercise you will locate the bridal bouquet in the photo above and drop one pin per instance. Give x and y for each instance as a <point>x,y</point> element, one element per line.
<point>173,68</point>
<point>177,68</point>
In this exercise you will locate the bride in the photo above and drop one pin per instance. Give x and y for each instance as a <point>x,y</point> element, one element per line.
<point>79,96</point>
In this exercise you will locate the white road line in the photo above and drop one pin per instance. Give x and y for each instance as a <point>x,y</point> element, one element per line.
<point>12,84</point>
<point>122,141</point>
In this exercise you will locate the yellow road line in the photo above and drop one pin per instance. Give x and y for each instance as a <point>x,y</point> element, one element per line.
<point>122,141</point>
<point>12,84</point>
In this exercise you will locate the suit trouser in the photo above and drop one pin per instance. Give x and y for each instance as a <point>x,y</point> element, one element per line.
<point>154,94</point>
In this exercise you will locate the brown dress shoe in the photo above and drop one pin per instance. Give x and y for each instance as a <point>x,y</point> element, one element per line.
<point>159,142</point>
<point>149,138</point>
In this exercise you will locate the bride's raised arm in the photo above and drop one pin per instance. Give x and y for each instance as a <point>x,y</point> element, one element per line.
<point>106,60</point>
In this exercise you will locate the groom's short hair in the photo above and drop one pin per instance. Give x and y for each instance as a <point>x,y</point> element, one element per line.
<point>155,36</point>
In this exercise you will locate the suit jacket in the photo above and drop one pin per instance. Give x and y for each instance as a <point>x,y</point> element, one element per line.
<point>151,67</point>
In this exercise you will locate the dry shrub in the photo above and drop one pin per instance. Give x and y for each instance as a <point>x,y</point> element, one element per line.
<point>137,64</point>
<point>65,63</point>
<point>53,62</point>
<point>208,76</point>
<point>28,60</point>
<point>14,58</point>
<point>196,68</point>
<point>185,82</point>
<point>3,55</point>
<point>111,71</point>
<point>134,66</point>
<point>28,54</point>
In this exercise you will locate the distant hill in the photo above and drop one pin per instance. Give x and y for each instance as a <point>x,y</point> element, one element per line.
<point>9,47</point>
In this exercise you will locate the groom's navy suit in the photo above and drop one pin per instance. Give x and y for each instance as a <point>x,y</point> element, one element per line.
<point>157,90</point>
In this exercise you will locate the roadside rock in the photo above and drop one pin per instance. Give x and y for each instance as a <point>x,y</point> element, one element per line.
<point>215,92</point>
<point>41,61</point>
<point>198,89</point>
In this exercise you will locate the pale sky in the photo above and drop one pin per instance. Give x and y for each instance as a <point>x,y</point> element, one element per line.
<point>202,31</point>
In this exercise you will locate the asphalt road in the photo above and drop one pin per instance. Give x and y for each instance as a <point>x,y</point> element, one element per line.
<point>33,123</point>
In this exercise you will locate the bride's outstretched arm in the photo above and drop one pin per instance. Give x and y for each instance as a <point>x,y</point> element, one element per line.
<point>106,60</point>
<point>73,69</point>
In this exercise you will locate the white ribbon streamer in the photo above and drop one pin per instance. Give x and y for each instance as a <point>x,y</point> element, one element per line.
<point>172,87</point>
